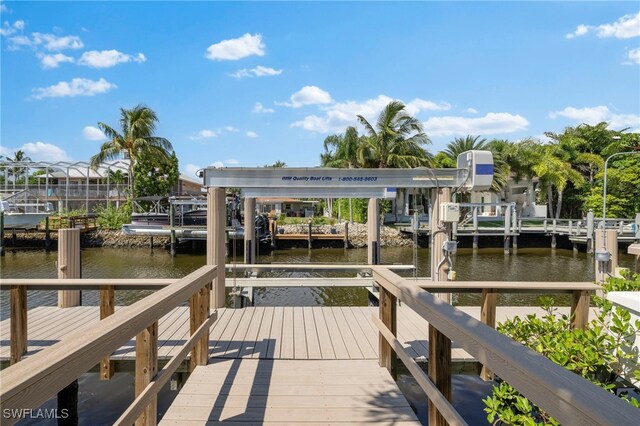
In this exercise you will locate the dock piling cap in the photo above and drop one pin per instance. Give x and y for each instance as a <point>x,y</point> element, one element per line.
<point>634,249</point>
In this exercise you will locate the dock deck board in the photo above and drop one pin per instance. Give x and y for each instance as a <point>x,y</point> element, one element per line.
<point>261,391</point>
<point>259,332</point>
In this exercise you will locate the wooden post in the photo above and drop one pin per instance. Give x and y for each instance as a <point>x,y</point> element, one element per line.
<point>373,232</point>
<point>611,238</point>
<point>47,235</point>
<point>488,317</point>
<point>107,308</point>
<point>439,367</point>
<point>172,224</point>
<point>637,223</point>
<point>2,233</point>
<point>387,311</point>
<point>580,309</point>
<point>216,223</point>
<point>69,265</point>
<point>146,369</point>
<point>309,233</point>
<point>198,314</point>
<point>249,230</point>
<point>590,236</point>
<point>18,322</point>
<point>346,235</point>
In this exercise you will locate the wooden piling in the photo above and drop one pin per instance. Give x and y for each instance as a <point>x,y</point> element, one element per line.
<point>488,317</point>
<point>216,222</point>
<point>18,314</point>
<point>146,369</point>
<point>373,232</point>
<point>198,314</point>
<point>172,224</point>
<point>439,367</point>
<point>346,235</point>
<point>47,234</point>
<point>611,241</point>
<point>309,233</point>
<point>388,315</point>
<point>107,308</point>
<point>249,230</point>
<point>69,265</point>
<point>580,309</point>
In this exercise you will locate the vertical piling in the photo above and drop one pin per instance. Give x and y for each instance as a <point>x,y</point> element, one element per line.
<point>146,369</point>
<point>439,367</point>
<point>47,234</point>
<point>172,224</point>
<point>373,232</point>
<point>603,270</point>
<point>590,236</point>
<point>18,324</point>
<point>309,233</point>
<point>107,308</point>
<point>69,265</point>
<point>2,233</point>
<point>249,230</point>
<point>346,235</point>
<point>216,222</point>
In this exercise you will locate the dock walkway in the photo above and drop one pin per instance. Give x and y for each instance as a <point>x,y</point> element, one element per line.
<point>297,333</point>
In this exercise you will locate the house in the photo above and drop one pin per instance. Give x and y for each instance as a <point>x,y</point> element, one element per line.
<point>187,186</point>
<point>290,207</point>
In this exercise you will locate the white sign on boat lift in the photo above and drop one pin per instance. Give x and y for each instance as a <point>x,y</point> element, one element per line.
<point>476,175</point>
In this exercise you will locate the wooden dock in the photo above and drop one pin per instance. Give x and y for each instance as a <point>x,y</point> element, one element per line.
<point>288,333</point>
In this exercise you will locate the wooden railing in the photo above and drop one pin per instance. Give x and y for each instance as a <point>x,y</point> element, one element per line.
<point>566,396</point>
<point>84,223</point>
<point>31,382</point>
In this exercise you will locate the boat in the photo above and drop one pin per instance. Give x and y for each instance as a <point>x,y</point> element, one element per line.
<point>24,215</point>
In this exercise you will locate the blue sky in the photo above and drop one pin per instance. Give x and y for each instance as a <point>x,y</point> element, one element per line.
<point>246,84</point>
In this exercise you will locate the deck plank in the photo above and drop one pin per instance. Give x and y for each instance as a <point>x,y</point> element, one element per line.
<point>336,337</point>
<point>256,391</point>
<point>262,340</point>
<point>347,336</point>
<point>313,344</point>
<point>324,340</point>
<point>299,334</point>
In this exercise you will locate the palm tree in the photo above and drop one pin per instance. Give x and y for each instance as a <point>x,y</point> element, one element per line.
<point>460,145</point>
<point>395,141</point>
<point>18,157</point>
<point>138,126</point>
<point>342,151</point>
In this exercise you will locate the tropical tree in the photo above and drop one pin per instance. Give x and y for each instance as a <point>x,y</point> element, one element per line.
<point>277,164</point>
<point>18,157</point>
<point>396,140</point>
<point>342,150</point>
<point>135,139</point>
<point>153,178</point>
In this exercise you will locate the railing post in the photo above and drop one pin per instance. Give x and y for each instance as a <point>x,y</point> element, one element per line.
<point>69,265</point>
<point>107,308</point>
<point>488,317</point>
<point>637,223</point>
<point>216,223</point>
<point>590,235</point>
<point>47,234</point>
<point>439,367</point>
<point>388,306</point>
<point>579,309</point>
<point>18,322</point>
<point>146,369</point>
<point>198,314</point>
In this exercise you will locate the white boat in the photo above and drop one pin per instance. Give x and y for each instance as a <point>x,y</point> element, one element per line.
<point>24,216</point>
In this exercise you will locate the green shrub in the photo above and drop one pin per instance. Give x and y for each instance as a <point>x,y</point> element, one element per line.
<point>111,217</point>
<point>599,353</point>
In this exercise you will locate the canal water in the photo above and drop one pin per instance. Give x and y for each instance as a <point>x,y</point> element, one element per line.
<point>103,402</point>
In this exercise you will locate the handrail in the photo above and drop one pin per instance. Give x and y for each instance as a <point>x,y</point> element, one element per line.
<point>32,381</point>
<point>163,376</point>
<point>565,395</point>
<point>434,395</point>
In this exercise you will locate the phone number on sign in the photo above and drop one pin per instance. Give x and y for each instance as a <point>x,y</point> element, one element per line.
<point>358,179</point>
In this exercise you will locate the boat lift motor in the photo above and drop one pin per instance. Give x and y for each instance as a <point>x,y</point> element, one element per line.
<point>480,167</point>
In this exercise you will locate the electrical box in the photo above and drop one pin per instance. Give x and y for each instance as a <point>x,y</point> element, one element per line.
<point>450,212</point>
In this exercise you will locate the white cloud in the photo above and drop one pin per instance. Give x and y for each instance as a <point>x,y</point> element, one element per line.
<point>93,134</point>
<point>343,114</point>
<point>491,124</point>
<point>251,134</point>
<point>8,29</point>
<point>108,58</point>
<point>205,134</point>
<point>258,71</point>
<point>40,151</point>
<point>417,105</point>
<point>237,48</point>
<point>191,170</point>
<point>471,110</point>
<point>627,26</point>
<point>3,8</point>
<point>52,42</point>
<point>232,162</point>
<point>260,109</point>
<point>634,56</point>
<point>231,129</point>
<point>53,61</point>
<point>308,95</point>
<point>598,114</point>
<point>76,87</point>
